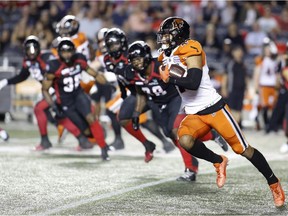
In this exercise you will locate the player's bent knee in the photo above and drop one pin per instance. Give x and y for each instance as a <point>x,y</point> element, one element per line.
<point>248,153</point>
<point>90,118</point>
<point>186,141</point>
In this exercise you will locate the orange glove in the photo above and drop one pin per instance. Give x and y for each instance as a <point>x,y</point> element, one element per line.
<point>164,73</point>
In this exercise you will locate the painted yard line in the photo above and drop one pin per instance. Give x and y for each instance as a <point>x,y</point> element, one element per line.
<point>123,191</point>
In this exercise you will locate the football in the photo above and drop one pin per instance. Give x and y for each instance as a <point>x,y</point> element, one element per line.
<point>176,71</point>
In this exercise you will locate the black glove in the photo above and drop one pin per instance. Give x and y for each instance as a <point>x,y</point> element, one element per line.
<point>135,120</point>
<point>58,112</point>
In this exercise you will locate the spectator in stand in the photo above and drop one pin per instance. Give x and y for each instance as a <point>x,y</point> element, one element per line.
<point>228,13</point>
<point>120,14</point>
<point>254,40</point>
<point>267,22</point>
<point>91,23</point>
<point>188,11</point>
<point>138,24</point>
<point>211,43</point>
<point>235,82</point>
<point>210,13</point>
<point>234,35</point>
<point>248,14</point>
<point>283,20</point>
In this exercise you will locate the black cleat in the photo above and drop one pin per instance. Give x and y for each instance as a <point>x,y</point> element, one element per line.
<point>118,144</point>
<point>219,140</point>
<point>188,176</point>
<point>104,153</point>
<point>45,144</point>
<point>84,142</point>
<point>149,147</point>
<point>168,146</point>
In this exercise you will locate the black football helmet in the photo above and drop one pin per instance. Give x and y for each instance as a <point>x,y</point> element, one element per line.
<point>100,39</point>
<point>116,42</point>
<point>172,32</point>
<point>68,26</point>
<point>66,50</point>
<point>139,56</point>
<point>31,47</point>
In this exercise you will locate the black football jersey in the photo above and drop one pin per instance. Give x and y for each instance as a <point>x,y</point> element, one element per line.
<point>119,66</point>
<point>35,69</point>
<point>67,77</point>
<point>153,86</point>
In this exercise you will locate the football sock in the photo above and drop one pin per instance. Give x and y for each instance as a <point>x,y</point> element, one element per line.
<point>137,134</point>
<point>153,128</point>
<point>70,126</point>
<point>259,161</point>
<point>199,150</point>
<point>41,119</point>
<point>189,161</point>
<point>115,123</point>
<point>98,134</point>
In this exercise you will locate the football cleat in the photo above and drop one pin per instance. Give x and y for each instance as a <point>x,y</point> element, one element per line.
<point>221,171</point>
<point>219,140</point>
<point>4,135</point>
<point>104,153</point>
<point>45,144</point>
<point>118,144</point>
<point>150,147</point>
<point>167,146</point>
<point>188,176</point>
<point>284,148</point>
<point>278,194</point>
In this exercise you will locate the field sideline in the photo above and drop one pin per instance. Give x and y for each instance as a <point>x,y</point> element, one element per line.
<point>62,181</point>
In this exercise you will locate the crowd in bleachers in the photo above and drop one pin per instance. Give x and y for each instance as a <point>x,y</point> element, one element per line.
<point>243,22</point>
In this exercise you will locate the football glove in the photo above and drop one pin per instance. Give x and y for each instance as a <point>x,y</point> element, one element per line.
<point>3,83</point>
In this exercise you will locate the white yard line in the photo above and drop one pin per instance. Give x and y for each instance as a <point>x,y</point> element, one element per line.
<point>131,189</point>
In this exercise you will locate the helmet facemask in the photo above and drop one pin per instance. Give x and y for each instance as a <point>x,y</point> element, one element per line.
<point>140,57</point>
<point>31,47</point>
<point>114,47</point>
<point>32,50</point>
<point>66,51</point>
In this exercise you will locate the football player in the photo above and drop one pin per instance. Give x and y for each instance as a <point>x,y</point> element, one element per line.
<point>106,92</point>
<point>64,74</point>
<point>4,135</point>
<point>116,61</point>
<point>184,65</point>
<point>162,98</point>
<point>34,65</point>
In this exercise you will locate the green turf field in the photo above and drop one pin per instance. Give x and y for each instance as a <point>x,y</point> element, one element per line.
<point>62,181</point>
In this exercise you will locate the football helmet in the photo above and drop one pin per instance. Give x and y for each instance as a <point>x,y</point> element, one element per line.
<point>68,26</point>
<point>100,39</point>
<point>116,42</point>
<point>172,32</point>
<point>66,50</point>
<point>31,47</point>
<point>139,56</point>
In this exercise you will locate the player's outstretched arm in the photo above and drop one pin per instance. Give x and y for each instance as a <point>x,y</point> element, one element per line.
<point>99,77</point>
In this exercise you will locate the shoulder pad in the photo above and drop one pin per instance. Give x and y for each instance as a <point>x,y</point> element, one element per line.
<point>189,48</point>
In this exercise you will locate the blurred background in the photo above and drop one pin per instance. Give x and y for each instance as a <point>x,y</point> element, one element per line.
<point>217,25</point>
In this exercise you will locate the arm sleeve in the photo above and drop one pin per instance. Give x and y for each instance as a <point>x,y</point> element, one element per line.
<point>23,75</point>
<point>123,90</point>
<point>191,81</point>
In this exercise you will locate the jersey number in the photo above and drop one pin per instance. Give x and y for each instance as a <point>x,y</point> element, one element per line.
<point>71,83</point>
<point>156,90</point>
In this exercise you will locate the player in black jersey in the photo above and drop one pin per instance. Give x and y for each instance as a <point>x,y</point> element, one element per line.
<point>116,61</point>
<point>34,65</point>
<point>162,98</point>
<point>64,74</point>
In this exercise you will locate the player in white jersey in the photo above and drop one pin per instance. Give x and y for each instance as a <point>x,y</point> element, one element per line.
<point>265,78</point>
<point>184,64</point>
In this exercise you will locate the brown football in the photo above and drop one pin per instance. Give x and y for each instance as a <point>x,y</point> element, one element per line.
<point>176,71</point>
